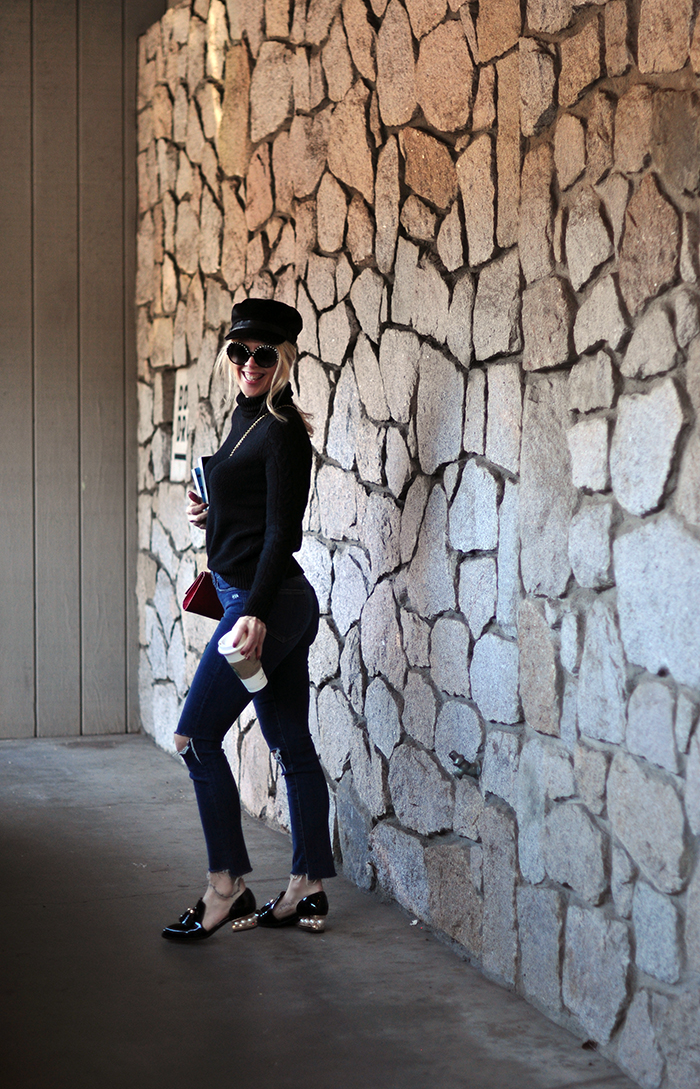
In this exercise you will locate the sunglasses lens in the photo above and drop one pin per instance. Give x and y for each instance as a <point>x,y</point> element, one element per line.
<point>266,356</point>
<point>238,354</point>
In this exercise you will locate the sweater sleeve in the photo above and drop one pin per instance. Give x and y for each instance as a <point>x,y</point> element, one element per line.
<point>287,473</point>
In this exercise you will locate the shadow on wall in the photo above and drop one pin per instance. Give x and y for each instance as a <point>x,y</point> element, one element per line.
<point>491,230</point>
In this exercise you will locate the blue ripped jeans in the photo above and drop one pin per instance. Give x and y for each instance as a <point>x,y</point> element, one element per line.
<point>216,699</point>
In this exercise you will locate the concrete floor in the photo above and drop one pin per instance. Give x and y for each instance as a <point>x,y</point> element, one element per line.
<point>101,847</point>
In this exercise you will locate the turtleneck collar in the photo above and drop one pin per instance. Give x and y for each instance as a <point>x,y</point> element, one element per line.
<point>252,406</point>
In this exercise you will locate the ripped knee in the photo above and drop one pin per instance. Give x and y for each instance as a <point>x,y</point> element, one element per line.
<point>181,742</point>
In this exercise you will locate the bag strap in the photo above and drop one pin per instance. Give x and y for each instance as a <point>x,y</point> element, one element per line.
<point>247,433</point>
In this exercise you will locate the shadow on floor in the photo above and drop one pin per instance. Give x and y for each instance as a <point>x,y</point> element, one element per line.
<point>101,847</point>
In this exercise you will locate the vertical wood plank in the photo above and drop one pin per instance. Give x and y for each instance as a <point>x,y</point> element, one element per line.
<point>102,378</point>
<point>56,369</point>
<point>16,382</point>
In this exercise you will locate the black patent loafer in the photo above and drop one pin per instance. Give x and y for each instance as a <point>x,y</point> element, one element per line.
<point>310,914</point>
<point>189,928</point>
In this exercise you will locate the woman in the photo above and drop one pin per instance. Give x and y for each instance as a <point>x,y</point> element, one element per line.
<point>258,485</point>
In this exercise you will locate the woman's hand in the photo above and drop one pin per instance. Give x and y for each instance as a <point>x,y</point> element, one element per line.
<point>249,635</point>
<point>196,510</point>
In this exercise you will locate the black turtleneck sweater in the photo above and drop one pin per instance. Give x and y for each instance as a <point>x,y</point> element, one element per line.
<point>257,498</point>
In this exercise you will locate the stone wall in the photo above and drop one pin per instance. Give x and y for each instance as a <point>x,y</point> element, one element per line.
<point>490,221</point>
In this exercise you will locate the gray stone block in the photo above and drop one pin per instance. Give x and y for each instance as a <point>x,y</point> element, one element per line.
<point>445,49</point>
<point>500,769</point>
<point>602,677</point>
<point>454,905</point>
<point>458,729</point>
<point>500,942</point>
<point>369,774</point>
<point>540,927</point>
<point>637,1050</point>
<point>686,714</point>
<point>381,713</point>
<point>591,772</point>
<point>352,677</point>
<point>535,229</point>
<point>540,684</point>
<point>655,921</point>
<point>336,727</point>
<point>419,710</point>
<point>354,826</point>
<point>580,867</point>
<point>438,410</point>
<point>588,446</point>
<point>324,655</point>
<point>639,468</point>
<point>474,511</point>
<point>344,421</point>
<point>477,592</point>
<point>349,592</point>
<point>474,413</point>
<point>692,786</point>
<point>334,332</point>
<point>416,637</point>
<point>547,495</point>
<point>449,656</point>
<point>475,172</point>
<point>412,518</point>
<point>692,923</point>
<point>624,873</point>
<point>451,253</point>
<point>679,1037</point>
<point>646,815</point>
<point>494,679</point>
<point>430,581</point>
<point>537,86</point>
<point>509,584</point>
<point>653,348</point>
<point>651,245</point>
<point>382,648</point>
<point>588,242</point>
<point>591,383</point>
<point>459,318</point>
<point>380,533</point>
<point>497,306</point>
<point>569,148</point>
<point>504,416</point>
<point>590,551</point>
<point>570,640</point>
<point>600,318</point>
<point>596,964</point>
<point>422,795</point>
<point>650,724</point>
<point>398,364</point>
<point>580,62</point>
<point>568,727</point>
<point>271,102</point>
<point>469,805</point>
<point>657,568</point>
<point>544,775</point>
<point>398,861</point>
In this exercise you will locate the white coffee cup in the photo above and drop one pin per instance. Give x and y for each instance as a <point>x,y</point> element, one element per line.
<point>249,670</point>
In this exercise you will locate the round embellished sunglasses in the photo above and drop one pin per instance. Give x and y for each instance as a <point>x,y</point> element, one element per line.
<point>264,355</point>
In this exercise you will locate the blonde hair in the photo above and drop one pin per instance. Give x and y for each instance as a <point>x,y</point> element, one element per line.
<point>287,356</point>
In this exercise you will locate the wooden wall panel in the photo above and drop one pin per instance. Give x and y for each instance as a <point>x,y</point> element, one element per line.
<point>16,379</point>
<point>56,348</point>
<point>68,624</point>
<point>102,377</point>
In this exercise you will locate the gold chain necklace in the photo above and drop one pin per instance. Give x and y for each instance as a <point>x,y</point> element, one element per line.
<point>247,433</point>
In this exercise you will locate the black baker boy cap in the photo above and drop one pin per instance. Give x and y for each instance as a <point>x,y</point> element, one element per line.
<point>266,320</point>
